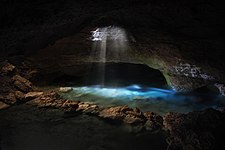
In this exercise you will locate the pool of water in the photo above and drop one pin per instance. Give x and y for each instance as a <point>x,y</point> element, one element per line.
<point>113,84</point>
<point>146,98</point>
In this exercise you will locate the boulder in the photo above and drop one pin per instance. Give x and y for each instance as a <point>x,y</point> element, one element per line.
<point>22,84</point>
<point>20,95</point>
<point>65,89</point>
<point>123,114</point>
<point>32,95</point>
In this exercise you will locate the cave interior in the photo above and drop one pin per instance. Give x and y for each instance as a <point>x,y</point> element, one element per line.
<point>111,75</point>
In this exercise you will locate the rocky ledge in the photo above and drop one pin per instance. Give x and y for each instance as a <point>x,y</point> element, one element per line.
<point>195,130</point>
<point>140,121</point>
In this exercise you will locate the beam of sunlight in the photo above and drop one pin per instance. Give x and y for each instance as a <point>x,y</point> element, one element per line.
<point>108,41</point>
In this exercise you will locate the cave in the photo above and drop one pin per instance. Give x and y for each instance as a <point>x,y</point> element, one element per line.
<point>111,75</point>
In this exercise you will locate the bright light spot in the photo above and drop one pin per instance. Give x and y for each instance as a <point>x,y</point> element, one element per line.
<point>110,44</point>
<point>109,33</point>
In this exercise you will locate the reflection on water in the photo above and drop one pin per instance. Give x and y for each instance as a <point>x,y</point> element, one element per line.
<point>146,98</point>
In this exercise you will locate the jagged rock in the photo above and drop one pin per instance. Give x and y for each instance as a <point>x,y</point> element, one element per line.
<point>19,95</point>
<point>53,95</point>
<point>32,95</point>
<point>123,114</point>
<point>8,68</point>
<point>53,100</point>
<point>22,83</point>
<point>88,108</point>
<point>9,99</point>
<point>3,105</point>
<point>154,121</point>
<point>68,104</point>
<point>65,89</point>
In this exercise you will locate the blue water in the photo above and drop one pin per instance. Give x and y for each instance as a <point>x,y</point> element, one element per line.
<point>146,98</point>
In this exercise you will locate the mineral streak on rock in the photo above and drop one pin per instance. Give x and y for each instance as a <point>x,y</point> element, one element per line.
<point>221,88</point>
<point>189,70</point>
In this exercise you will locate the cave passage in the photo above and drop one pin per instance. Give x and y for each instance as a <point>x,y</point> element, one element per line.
<point>138,86</point>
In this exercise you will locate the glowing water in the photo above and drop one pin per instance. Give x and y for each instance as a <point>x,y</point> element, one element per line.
<point>125,93</point>
<point>145,98</point>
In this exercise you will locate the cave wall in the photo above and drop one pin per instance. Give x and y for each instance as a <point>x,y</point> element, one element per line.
<point>53,34</point>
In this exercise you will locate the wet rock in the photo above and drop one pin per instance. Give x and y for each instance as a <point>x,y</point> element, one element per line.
<point>65,89</point>
<point>20,95</point>
<point>32,95</point>
<point>22,83</point>
<point>3,105</point>
<point>123,114</point>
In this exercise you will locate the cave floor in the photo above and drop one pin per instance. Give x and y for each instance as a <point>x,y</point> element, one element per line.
<point>25,127</point>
